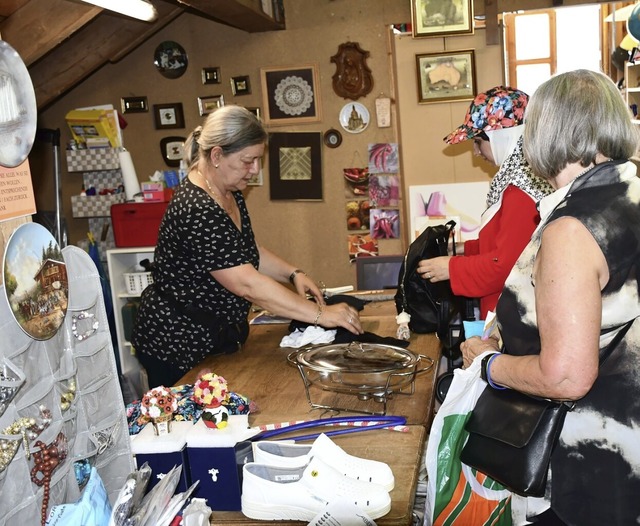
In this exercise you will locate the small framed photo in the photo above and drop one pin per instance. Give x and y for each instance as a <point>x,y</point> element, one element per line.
<point>168,115</point>
<point>436,19</point>
<point>447,76</point>
<point>211,75</point>
<point>134,104</point>
<point>240,85</point>
<point>256,111</point>
<point>208,104</point>
<point>172,149</point>
<point>290,95</point>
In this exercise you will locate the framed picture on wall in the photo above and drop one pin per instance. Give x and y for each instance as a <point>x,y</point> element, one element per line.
<point>208,104</point>
<point>168,115</point>
<point>436,18</point>
<point>295,168</point>
<point>290,95</point>
<point>446,76</point>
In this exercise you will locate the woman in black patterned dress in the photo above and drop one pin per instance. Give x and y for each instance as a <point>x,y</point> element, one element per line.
<point>574,287</point>
<point>209,269</point>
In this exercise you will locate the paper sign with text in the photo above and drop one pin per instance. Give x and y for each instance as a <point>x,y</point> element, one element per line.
<point>16,192</point>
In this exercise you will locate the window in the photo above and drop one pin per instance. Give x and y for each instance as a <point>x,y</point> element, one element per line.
<point>540,44</point>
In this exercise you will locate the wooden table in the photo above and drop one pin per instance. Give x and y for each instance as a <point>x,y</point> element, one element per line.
<point>261,372</point>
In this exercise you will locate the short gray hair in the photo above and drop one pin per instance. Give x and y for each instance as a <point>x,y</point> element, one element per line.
<point>574,116</point>
<point>232,128</point>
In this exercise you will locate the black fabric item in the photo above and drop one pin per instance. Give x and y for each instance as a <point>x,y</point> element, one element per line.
<point>345,336</point>
<point>512,435</point>
<point>432,306</point>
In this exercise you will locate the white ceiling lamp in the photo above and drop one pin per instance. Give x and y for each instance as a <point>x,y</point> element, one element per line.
<point>140,9</point>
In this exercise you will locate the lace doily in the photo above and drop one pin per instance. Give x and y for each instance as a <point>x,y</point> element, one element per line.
<point>293,95</point>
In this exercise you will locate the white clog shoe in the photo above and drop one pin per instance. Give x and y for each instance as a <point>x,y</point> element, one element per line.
<point>295,455</point>
<point>300,493</point>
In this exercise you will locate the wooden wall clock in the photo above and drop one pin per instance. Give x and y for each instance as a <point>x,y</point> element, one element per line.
<point>353,78</point>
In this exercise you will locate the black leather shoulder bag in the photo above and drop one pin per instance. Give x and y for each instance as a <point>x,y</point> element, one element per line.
<point>512,435</point>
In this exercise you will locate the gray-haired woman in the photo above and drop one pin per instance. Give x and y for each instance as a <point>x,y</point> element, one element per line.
<point>209,268</point>
<point>575,286</point>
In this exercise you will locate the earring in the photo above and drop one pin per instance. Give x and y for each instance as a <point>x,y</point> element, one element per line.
<point>216,165</point>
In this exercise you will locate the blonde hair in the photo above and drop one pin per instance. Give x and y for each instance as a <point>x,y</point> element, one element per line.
<point>232,128</point>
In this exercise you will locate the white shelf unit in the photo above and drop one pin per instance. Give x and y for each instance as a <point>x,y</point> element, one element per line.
<point>119,262</point>
<point>632,81</point>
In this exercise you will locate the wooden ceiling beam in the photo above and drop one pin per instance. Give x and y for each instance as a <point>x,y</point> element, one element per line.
<point>40,25</point>
<point>106,39</point>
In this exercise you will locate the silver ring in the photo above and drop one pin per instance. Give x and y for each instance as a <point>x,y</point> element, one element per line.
<point>428,275</point>
<point>350,319</point>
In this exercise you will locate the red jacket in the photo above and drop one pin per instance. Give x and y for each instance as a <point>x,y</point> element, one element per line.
<point>487,261</point>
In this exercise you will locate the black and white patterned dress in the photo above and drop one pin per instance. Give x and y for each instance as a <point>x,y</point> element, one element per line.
<point>185,315</point>
<point>595,469</point>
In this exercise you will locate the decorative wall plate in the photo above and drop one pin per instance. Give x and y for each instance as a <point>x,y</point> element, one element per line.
<point>170,59</point>
<point>332,138</point>
<point>18,110</point>
<point>36,283</point>
<point>354,117</point>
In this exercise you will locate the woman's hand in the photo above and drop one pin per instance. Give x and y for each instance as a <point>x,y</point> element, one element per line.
<point>305,285</point>
<point>434,269</point>
<point>474,346</point>
<point>341,315</point>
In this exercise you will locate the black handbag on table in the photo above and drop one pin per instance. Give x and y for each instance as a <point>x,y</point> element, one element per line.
<point>512,435</point>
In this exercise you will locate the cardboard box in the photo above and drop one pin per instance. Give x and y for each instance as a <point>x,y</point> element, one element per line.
<point>215,458</point>
<point>151,186</point>
<point>137,224</point>
<point>153,196</point>
<point>163,452</point>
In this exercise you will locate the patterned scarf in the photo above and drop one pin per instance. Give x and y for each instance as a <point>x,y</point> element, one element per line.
<point>516,171</point>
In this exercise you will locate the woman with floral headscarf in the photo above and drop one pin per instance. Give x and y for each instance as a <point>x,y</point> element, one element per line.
<point>494,122</point>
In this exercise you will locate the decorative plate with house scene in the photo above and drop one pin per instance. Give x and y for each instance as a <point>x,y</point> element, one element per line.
<point>35,281</point>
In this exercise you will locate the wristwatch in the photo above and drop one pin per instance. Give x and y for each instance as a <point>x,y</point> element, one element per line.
<point>483,366</point>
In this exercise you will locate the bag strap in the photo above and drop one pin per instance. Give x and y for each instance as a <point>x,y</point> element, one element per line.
<point>606,352</point>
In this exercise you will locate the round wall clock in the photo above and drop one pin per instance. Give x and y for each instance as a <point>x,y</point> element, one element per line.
<point>171,59</point>
<point>332,138</point>
<point>36,283</point>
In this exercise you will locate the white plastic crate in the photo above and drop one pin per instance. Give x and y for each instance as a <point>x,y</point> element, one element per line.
<point>136,282</point>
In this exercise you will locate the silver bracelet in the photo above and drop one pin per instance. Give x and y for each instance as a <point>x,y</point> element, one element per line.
<point>292,276</point>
